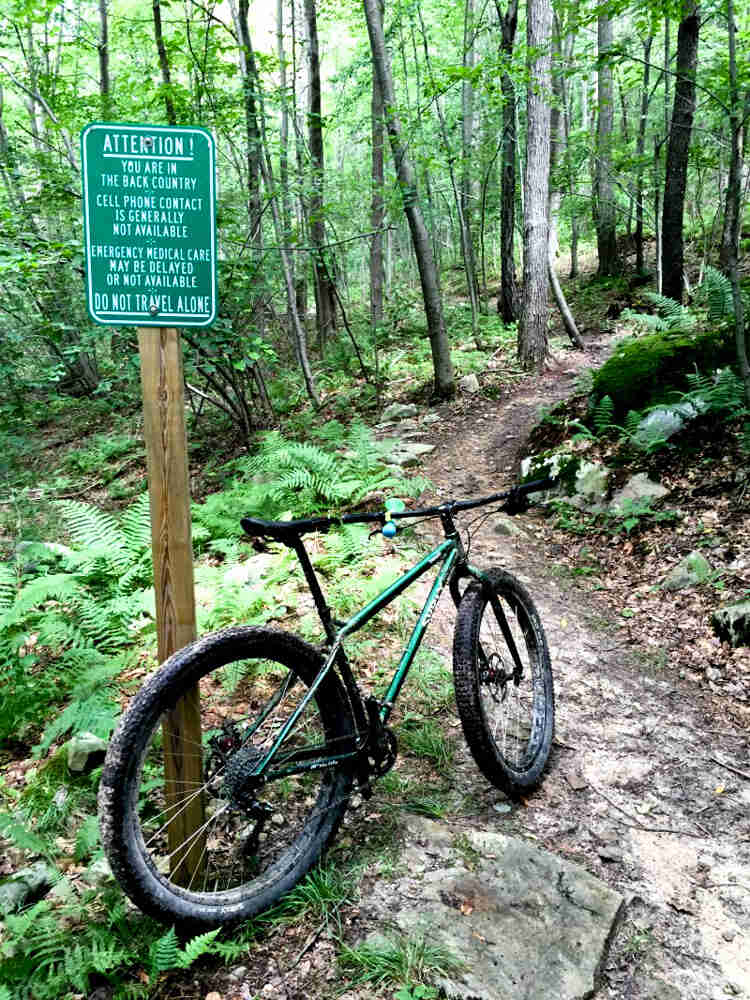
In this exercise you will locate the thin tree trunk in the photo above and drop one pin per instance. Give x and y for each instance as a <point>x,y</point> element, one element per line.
<point>298,329</point>
<point>467,143</point>
<point>556,145</point>
<point>730,245</point>
<point>532,331</point>
<point>508,303</point>
<point>251,127</point>
<point>566,117</point>
<point>377,206</point>
<point>677,153</point>
<point>467,254</point>
<point>441,358</point>
<point>104,84</point>
<point>324,297</point>
<point>606,210</point>
<point>163,64</point>
<point>640,151</point>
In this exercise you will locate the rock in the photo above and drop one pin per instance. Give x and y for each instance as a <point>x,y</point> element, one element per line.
<point>26,886</point>
<point>431,418</point>
<point>98,873</point>
<point>713,674</point>
<point>732,624</point>
<point>638,487</point>
<point>469,383</point>
<point>250,571</point>
<point>398,411</point>
<point>523,923</point>
<point>85,752</point>
<point>505,525</point>
<point>582,483</point>
<point>502,807</point>
<point>665,421</point>
<point>689,572</point>
<point>408,453</point>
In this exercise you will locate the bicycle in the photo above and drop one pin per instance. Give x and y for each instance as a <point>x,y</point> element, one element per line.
<point>288,736</point>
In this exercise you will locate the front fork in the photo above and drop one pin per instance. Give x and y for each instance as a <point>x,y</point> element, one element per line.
<point>465,569</point>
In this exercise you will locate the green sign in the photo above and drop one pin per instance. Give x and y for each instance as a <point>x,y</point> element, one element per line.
<point>149,210</point>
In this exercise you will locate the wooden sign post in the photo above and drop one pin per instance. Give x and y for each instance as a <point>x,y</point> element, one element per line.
<point>149,212</point>
<point>172,552</point>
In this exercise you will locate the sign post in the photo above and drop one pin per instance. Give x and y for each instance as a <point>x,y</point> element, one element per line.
<point>149,208</point>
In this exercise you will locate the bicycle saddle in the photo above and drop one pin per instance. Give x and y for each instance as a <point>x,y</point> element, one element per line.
<point>284,531</point>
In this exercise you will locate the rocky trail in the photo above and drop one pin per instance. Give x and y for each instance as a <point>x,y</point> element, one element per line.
<point>648,786</point>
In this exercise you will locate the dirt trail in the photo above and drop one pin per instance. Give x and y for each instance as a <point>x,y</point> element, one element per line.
<point>640,789</point>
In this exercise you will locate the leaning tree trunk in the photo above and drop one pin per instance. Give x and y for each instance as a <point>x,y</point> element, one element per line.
<point>675,182</point>
<point>532,332</point>
<point>606,214</point>
<point>508,303</point>
<point>441,358</point>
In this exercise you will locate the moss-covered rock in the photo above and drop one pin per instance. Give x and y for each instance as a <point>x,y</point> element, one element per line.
<point>647,370</point>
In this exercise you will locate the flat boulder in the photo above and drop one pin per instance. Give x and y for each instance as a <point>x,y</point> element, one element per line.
<point>398,411</point>
<point>518,921</point>
<point>638,487</point>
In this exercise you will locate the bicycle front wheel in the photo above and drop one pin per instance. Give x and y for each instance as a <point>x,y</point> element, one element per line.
<point>503,682</point>
<point>252,840</point>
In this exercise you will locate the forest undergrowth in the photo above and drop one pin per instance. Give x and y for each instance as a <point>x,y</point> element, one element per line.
<point>78,634</point>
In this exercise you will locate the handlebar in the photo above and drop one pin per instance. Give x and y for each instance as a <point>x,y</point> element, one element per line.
<point>515,496</point>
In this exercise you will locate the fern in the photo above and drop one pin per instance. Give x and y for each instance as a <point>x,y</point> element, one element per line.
<point>203,944</point>
<point>669,316</point>
<point>87,839</point>
<point>92,528</point>
<point>8,586</point>
<point>603,414</point>
<point>164,953</point>
<point>717,289</point>
<point>632,421</point>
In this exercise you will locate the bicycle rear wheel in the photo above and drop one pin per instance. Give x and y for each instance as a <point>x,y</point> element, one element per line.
<point>506,705</point>
<point>255,840</point>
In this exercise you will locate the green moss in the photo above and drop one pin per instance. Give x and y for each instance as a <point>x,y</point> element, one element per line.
<point>645,370</point>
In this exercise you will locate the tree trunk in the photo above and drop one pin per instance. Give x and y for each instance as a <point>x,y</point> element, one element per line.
<point>163,64</point>
<point>606,209</point>
<point>467,252</point>
<point>441,358</point>
<point>251,127</point>
<point>677,153</point>
<point>104,85</point>
<point>298,329</point>
<point>377,206</point>
<point>324,296</point>
<point>508,303</point>
<point>532,332</point>
<point>467,143</point>
<point>731,241</point>
<point>556,146</point>
<point>640,152</point>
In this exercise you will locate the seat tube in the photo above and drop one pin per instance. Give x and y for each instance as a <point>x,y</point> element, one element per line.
<point>324,611</point>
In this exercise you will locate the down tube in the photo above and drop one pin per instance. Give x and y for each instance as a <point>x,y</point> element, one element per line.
<point>416,636</point>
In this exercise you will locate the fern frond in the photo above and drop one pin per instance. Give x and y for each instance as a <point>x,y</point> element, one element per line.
<point>632,421</point>
<point>164,953</point>
<point>90,528</point>
<point>8,586</point>
<point>87,839</point>
<point>59,587</point>
<point>135,525</point>
<point>197,946</point>
<point>603,414</point>
<point>665,306</point>
<point>95,713</point>
<point>718,291</point>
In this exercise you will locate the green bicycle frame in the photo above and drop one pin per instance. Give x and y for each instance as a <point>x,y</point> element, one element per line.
<point>447,553</point>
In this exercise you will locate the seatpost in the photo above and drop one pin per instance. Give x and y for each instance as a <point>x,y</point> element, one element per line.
<point>312,582</point>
